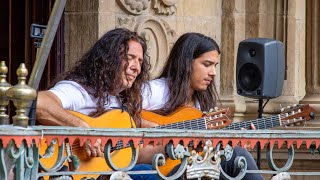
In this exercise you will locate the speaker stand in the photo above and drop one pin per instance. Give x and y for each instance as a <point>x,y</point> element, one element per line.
<point>260,111</point>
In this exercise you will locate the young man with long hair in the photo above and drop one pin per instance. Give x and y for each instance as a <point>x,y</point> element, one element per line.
<point>188,80</point>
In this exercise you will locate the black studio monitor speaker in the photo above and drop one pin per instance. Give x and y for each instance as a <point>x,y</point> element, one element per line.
<point>260,68</point>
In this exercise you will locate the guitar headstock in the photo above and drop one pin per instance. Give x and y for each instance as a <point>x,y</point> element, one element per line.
<point>297,114</point>
<point>218,119</point>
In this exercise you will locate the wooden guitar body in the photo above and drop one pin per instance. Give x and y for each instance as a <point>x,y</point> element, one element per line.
<point>111,119</point>
<point>181,114</point>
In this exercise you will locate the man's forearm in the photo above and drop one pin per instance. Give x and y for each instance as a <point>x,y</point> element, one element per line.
<point>50,112</point>
<point>146,153</point>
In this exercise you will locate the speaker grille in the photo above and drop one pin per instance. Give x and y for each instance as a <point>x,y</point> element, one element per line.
<point>249,77</point>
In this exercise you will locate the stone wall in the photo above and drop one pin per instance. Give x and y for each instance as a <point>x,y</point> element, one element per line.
<point>81,28</point>
<point>161,22</point>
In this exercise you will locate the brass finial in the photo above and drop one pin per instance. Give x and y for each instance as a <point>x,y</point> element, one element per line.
<point>21,94</point>
<point>4,86</point>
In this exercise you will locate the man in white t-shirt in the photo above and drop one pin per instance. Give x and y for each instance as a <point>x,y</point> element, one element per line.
<point>109,75</point>
<point>188,80</point>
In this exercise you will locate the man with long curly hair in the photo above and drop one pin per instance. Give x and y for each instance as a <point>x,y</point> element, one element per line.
<point>109,75</point>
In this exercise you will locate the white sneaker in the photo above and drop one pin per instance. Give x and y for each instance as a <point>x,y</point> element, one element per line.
<point>281,176</point>
<point>120,175</point>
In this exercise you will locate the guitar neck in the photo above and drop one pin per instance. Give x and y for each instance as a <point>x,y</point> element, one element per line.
<point>200,124</point>
<point>195,124</point>
<point>261,123</point>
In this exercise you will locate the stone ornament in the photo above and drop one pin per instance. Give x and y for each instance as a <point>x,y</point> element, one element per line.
<point>166,7</point>
<point>135,7</point>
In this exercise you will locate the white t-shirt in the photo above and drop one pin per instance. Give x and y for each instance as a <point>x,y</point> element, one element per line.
<point>156,95</point>
<point>74,97</point>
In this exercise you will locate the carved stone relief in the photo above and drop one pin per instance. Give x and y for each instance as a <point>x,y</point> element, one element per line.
<point>135,7</point>
<point>153,31</point>
<point>125,22</point>
<point>166,7</point>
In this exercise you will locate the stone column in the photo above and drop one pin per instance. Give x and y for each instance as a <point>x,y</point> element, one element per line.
<point>312,55</point>
<point>81,29</point>
<point>233,31</point>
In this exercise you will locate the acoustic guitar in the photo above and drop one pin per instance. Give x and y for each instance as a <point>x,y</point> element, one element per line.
<point>289,116</point>
<point>111,119</point>
<point>182,118</point>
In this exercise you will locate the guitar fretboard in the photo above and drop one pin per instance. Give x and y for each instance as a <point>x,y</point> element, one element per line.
<point>195,124</point>
<point>261,123</point>
<point>201,124</point>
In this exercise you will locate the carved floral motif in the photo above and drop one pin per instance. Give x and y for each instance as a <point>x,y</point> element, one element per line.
<point>166,7</point>
<point>135,7</point>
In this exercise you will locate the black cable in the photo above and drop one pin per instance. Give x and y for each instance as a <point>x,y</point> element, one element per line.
<point>265,103</point>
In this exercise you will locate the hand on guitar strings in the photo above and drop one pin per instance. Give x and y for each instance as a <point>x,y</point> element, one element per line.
<point>94,151</point>
<point>252,127</point>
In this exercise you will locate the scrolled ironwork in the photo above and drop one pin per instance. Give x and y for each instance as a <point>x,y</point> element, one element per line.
<point>240,162</point>
<point>108,158</point>
<point>271,163</point>
<point>227,152</point>
<point>3,163</point>
<point>170,151</point>
<point>180,152</point>
<point>23,161</point>
<point>61,159</point>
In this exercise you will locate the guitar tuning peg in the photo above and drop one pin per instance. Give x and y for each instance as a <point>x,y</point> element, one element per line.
<point>299,110</point>
<point>211,110</point>
<point>294,105</point>
<point>216,108</point>
<point>288,107</point>
<point>282,109</point>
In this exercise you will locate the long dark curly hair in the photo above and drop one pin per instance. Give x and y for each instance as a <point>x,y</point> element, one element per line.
<point>99,71</point>
<point>178,71</point>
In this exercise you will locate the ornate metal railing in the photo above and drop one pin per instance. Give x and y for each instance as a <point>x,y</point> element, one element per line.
<point>19,150</point>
